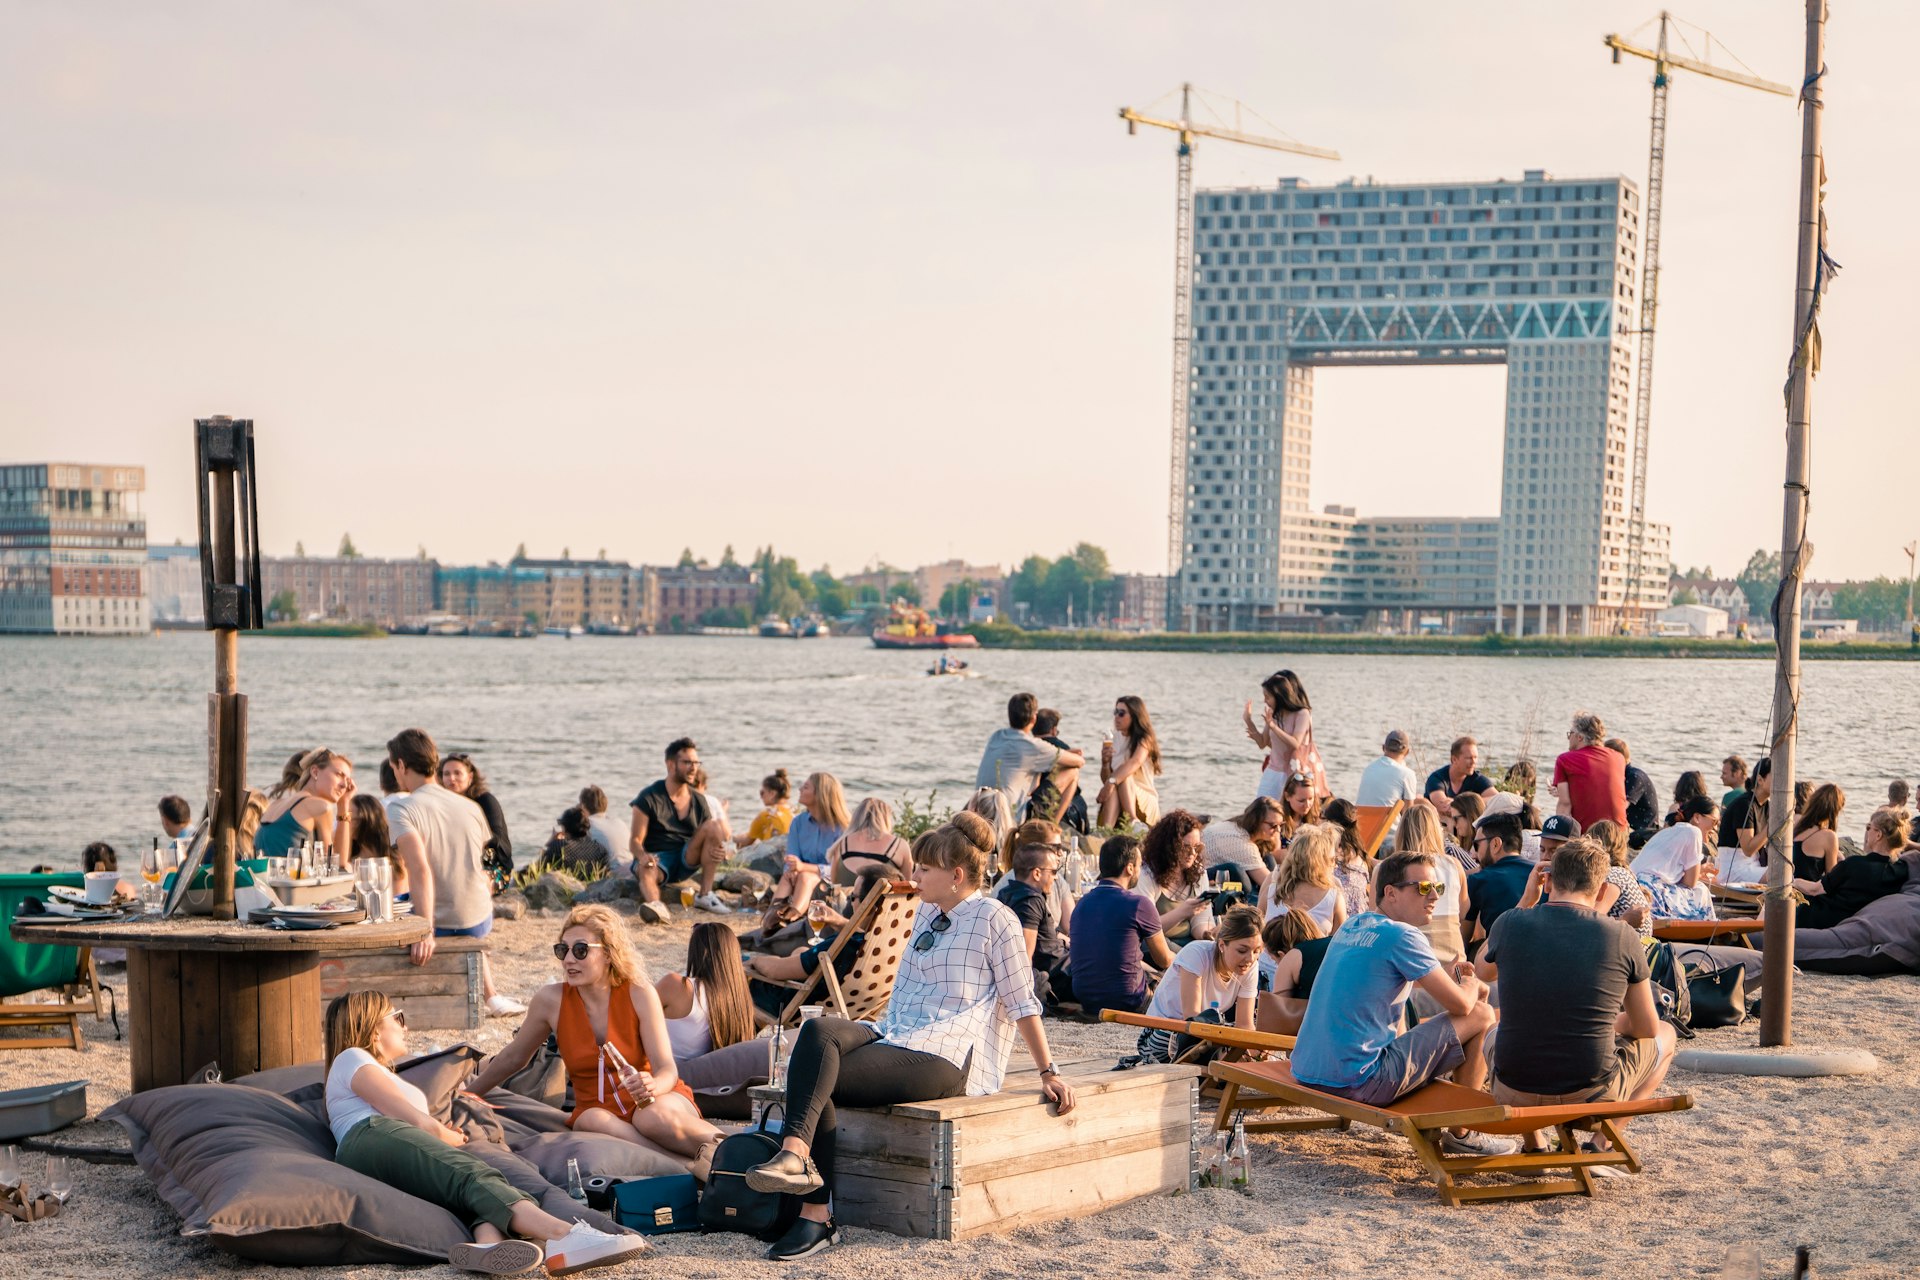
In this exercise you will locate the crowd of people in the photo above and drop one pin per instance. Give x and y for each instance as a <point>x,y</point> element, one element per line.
<point>1496,934</point>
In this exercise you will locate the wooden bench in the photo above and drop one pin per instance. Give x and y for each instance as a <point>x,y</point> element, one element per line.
<point>442,994</point>
<point>962,1167</point>
<point>1422,1114</point>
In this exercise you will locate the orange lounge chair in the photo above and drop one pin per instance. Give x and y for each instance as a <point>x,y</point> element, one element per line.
<point>1373,821</point>
<point>1730,932</point>
<point>1422,1114</point>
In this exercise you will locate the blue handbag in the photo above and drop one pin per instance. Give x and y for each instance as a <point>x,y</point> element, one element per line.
<point>656,1206</point>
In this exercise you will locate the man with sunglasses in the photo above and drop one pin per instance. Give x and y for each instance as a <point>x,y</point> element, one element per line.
<point>1349,1042</point>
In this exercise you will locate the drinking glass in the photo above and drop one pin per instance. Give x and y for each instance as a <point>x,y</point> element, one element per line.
<point>9,1166</point>
<point>152,868</point>
<point>59,1178</point>
<point>816,920</point>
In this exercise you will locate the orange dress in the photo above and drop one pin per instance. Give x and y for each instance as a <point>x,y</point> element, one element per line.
<point>595,1083</point>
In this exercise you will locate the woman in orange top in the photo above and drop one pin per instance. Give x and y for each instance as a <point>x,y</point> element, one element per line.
<point>613,1038</point>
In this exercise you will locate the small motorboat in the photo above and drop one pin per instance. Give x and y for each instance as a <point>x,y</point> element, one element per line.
<point>951,667</point>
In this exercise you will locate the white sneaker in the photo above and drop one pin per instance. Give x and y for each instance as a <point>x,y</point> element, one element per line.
<point>655,913</point>
<point>584,1247</point>
<point>505,1258</point>
<point>1477,1144</point>
<point>711,902</point>
<point>502,1006</point>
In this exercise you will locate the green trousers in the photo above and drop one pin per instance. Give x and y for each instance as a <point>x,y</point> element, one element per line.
<point>416,1162</point>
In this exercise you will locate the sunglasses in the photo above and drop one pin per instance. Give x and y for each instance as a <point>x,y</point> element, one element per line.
<point>399,1019</point>
<point>580,949</point>
<point>1425,888</point>
<point>941,923</point>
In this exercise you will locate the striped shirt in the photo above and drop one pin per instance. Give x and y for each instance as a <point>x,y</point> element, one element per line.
<point>959,999</point>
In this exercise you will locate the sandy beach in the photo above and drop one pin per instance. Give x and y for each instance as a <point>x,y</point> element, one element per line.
<point>1771,1162</point>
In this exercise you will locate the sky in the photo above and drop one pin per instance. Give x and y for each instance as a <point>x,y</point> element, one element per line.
<point>866,280</point>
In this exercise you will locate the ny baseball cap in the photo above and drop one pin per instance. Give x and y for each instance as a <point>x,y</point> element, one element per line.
<point>1559,827</point>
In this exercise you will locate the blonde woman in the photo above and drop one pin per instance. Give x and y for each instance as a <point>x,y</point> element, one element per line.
<point>1419,833</point>
<point>822,820</point>
<point>613,1036</point>
<point>311,802</point>
<point>1306,881</point>
<point>869,852</point>
<point>383,1129</point>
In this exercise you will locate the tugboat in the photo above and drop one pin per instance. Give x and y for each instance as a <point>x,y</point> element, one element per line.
<point>911,627</point>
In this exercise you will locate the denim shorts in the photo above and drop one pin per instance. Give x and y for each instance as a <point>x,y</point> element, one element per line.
<point>480,930</point>
<point>1420,1056</point>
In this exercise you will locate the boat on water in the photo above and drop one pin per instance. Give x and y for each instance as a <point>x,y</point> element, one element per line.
<point>911,627</point>
<point>952,667</point>
<point>567,632</point>
<point>810,627</point>
<point>775,628</point>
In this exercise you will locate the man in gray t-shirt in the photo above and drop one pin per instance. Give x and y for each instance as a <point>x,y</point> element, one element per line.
<point>1015,760</point>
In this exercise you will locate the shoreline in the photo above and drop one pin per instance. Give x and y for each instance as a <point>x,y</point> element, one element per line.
<point>1492,646</point>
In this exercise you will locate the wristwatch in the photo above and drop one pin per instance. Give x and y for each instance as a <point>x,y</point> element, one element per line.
<point>1048,1071</point>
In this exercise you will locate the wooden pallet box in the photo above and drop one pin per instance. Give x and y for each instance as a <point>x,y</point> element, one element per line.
<point>442,994</point>
<point>961,1167</point>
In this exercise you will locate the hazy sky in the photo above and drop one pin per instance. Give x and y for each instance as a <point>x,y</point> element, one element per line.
<point>865,279</point>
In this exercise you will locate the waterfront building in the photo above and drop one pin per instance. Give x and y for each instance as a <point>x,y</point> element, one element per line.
<point>73,549</point>
<point>174,591</point>
<point>1141,602</point>
<point>1539,275</point>
<point>684,594</point>
<point>349,588</point>
<point>932,580</point>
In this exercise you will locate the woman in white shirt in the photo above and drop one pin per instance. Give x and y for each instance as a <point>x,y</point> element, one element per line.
<point>1245,842</point>
<point>382,1128</point>
<point>1216,978</point>
<point>1129,762</point>
<point>1306,882</point>
<point>964,988</point>
<point>1672,866</point>
<point>1173,874</point>
<point>1419,832</point>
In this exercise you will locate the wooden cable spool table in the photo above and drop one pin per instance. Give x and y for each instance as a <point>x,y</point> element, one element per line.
<point>202,990</point>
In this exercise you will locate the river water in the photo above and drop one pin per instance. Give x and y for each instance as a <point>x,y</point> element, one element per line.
<point>94,731</point>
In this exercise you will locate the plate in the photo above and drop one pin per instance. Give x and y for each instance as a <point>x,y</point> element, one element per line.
<point>74,911</point>
<point>66,893</point>
<point>300,922</point>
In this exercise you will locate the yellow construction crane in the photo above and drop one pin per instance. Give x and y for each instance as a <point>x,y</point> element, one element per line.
<point>1664,63</point>
<point>1188,130</point>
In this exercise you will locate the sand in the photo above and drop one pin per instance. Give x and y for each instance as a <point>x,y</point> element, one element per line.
<point>1772,1162</point>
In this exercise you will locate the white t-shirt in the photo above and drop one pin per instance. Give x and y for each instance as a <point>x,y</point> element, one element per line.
<point>612,837</point>
<point>1227,844</point>
<point>345,1108</point>
<point>1197,958</point>
<point>1151,890</point>
<point>453,835</point>
<point>1671,853</point>
<point>1384,781</point>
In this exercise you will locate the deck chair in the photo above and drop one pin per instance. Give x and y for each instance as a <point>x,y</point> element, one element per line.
<point>885,918</point>
<point>1732,933</point>
<point>1422,1114</point>
<point>1373,821</point>
<point>27,967</point>
<point>1232,1041</point>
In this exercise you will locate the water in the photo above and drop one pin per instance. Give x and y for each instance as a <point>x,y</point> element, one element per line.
<point>94,732</point>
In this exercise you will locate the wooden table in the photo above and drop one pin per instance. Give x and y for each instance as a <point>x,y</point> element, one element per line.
<point>202,991</point>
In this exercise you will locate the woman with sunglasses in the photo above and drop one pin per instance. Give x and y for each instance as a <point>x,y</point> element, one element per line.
<point>1129,761</point>
<point>964,989</point>
<point>384,1128</point>
<point>613,1037</point>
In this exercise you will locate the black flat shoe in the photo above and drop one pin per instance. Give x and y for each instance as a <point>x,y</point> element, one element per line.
<point>785,1174</point>
<point>804,1238</point>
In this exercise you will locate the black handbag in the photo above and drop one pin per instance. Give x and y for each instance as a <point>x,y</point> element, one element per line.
<point>729,1204</point>
<point>1719,996</point>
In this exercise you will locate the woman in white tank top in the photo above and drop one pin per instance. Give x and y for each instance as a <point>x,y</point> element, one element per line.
<point>1306,882</point>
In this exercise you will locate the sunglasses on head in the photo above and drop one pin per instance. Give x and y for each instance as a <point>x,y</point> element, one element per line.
<point>1425,888</point>
<point>941,923</point>
<point>580,949</point>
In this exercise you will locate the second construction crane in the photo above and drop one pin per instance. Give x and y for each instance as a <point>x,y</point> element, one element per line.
<point>1665,62</point>
<point>1188,130</point>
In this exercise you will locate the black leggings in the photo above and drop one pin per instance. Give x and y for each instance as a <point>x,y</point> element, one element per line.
<point>839,1061</point>
<point>1876,965</point>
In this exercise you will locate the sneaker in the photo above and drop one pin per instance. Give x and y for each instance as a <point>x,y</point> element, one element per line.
<point>788,1173</point>
<point>804,1238</point>
<point>655,913</point>
<point>1477,1144</point>
<point>1606,1171</point>
<point>504,1258</point>
<point>711,902</point>
<point>584,1247</point>
<point>501,1006</point>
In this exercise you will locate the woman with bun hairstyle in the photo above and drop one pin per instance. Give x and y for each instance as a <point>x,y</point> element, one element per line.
<point>776,814</point>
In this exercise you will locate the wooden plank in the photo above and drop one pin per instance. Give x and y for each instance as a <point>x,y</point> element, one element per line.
<point>883,1204</point>
<point>240,1025</point>
<point>161,1012</point>
<point>1019,1090</point>
<point>139,1019</point>
<point>1048,1195</point>
<point>1066,1160</point>
<point>303,1005</point>
<point>272,991</point>
<point>984,1141</point>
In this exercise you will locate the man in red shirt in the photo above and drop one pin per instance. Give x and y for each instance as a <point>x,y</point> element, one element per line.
<point>1589,781</point>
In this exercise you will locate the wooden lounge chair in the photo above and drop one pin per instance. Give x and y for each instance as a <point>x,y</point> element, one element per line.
<point>1731,933</point>
<point>885,918</point>
<point>28,967</point>
<point>1373,821</point>
<point>1422,1114</point>
<point>1230,1038</point>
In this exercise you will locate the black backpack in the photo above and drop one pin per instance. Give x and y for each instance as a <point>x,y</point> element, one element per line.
<point>1670,992</point>
<point>729,1204</point>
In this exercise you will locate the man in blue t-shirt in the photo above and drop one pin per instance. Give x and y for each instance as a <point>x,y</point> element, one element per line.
<point>1349,1043</point>
<point>1116,934</point>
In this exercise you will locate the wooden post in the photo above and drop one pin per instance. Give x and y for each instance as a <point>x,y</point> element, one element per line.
<point>1776,983</point>
<point>227,768</point>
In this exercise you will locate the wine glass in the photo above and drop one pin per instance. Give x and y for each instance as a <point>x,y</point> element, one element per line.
<point>9,1166</point>
<point>59,1178</point>
<point>816,920</point>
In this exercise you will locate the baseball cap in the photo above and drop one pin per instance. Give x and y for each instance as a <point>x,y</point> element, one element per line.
<point>1396,741</point>
<point>1559,827</point>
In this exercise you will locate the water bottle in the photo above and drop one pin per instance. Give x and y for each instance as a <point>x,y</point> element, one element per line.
<point>574,1186</point>
<point>777,1058</point>
<point>1216,1171</point>
<point>1238,1165</point>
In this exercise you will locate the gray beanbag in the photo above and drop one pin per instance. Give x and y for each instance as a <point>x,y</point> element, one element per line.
<point>252,1170</point>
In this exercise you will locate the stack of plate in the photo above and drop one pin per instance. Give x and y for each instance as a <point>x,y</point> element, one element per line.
<point>323,916</point>
<point>72,904</point>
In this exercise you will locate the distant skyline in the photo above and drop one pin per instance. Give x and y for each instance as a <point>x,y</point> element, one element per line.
<point>863,280</point>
